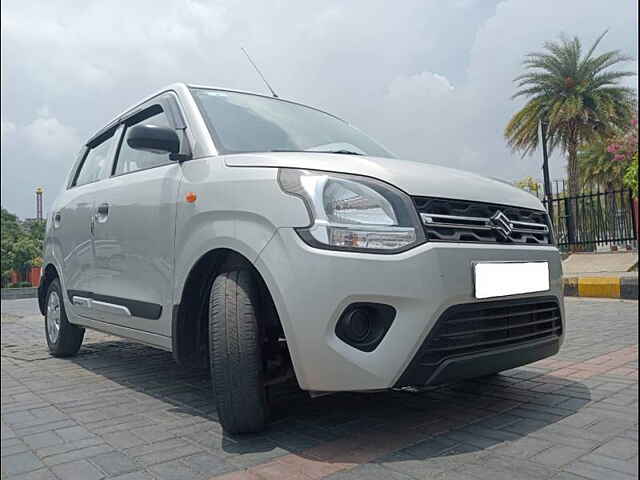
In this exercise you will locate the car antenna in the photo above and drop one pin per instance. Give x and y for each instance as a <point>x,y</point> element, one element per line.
<point>259,73</point>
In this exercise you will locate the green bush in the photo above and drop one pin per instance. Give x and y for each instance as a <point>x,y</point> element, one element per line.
<point>20,285</point>
<point>631,175</point>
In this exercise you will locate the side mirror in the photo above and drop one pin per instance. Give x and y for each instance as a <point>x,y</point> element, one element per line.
<point>153,139</point>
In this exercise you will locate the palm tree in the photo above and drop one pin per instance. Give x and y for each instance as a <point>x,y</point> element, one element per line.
<point>578,96</point>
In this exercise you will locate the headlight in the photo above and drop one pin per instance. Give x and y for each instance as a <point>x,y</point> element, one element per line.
<point>350,212</point>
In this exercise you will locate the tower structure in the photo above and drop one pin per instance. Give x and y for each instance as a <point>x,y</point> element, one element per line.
<point>39,215</point>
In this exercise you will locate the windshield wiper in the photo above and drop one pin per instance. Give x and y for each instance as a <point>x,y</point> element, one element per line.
<point>341,152</point>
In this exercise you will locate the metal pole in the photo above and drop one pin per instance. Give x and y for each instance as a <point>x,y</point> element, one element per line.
<point>545,168</point>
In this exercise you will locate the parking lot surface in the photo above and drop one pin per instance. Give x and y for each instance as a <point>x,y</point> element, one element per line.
<point>126,411</point>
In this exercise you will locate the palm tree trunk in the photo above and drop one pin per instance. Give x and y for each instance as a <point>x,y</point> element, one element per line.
<point>574,190</point>
<point>573,171</point>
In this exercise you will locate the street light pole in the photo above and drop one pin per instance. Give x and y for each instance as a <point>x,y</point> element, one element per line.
<point>545,168</point>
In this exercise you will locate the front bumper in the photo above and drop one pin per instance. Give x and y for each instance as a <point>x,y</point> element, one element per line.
<point>475,339</point>
<point>481,364</point>
<point>312,287</point>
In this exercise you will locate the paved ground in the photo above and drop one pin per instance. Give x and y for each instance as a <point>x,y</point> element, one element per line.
<point>125,411</point>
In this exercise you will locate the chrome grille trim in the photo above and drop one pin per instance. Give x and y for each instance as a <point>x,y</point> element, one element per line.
<point>480,228</point>
<point>479,223</point>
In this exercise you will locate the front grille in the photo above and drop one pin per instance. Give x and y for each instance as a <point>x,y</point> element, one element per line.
<point>482,327</point>
<point>465,221</point>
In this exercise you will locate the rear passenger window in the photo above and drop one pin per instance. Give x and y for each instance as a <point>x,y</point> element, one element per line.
<point>130,160</point>
<point>97,162</point>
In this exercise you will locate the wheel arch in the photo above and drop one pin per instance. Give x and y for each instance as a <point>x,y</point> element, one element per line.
<point>189,330</point>
<point>49,274</point>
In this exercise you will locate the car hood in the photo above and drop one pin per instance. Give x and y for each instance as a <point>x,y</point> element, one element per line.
<point>415,178</point>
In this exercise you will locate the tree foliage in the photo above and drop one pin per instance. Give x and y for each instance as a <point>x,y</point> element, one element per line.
<point>596,167</point>
<point>609,161</point>
<point>577,95</point>
<point>20,243</point>
<point>529,184</point>
<point>631,175</point>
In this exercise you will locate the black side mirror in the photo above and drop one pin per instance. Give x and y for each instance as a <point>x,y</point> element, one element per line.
<point>153,139</point>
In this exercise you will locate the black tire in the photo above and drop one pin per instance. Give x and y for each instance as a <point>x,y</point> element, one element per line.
<point>69,337</point>
<point>235,353</point>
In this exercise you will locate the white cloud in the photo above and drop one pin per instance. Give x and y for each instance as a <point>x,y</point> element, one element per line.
<point>50,138</point>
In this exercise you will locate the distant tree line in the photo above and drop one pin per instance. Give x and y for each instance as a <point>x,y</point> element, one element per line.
<point>21,244</point>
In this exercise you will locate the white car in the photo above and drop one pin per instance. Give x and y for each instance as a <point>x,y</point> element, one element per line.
<point>272,240</point>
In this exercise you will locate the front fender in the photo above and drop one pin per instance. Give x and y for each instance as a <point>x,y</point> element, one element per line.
<point>238,209</point>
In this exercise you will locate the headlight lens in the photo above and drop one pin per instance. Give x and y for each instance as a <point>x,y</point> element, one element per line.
<point>349,212</point>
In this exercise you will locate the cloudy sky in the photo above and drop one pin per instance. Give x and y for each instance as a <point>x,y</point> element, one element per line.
<point>431,80</point>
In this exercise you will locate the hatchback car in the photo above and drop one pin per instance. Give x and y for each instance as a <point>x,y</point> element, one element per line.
<point>268,240</point>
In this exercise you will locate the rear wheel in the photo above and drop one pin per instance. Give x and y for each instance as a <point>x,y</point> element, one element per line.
<point>63,338</point>
<point>235,353</point>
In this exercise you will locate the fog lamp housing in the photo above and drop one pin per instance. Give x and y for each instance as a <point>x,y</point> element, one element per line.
<point>363,325</point>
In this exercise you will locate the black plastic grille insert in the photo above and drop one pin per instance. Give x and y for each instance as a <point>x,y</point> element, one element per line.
<point>466,221</point>
<point>482,327</point>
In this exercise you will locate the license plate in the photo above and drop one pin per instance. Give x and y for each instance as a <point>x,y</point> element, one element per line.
<point>510,278</point>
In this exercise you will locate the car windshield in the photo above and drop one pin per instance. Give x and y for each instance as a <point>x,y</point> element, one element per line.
<point>242,122</point>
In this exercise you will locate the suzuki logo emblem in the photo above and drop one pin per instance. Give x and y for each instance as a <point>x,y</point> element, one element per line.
<point>501,224</point>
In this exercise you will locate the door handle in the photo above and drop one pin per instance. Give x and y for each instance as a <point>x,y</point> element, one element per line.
<point>102,213</point>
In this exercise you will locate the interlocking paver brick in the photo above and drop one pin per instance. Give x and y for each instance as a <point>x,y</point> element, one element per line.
<point>206,463</point>
<point>176,471</point>
<point>127,411</point>
<point>44,427</point>
<point>68,447</point>
<point>629,467</point>
<point>558,455</point>
<point>20,463</point>
<point>135,476</point>
<point>167,455</point>
<point>595,472</point>
<point>44,439</point>
<point>619,447</point>
<point>497,467</point>
<point>42,474</point>
<point>78,470</point>
<point>114,463</point>
<point>370,471</point>
<point>77,454</point>
<point>525,447</point>
<point>122,439</point>
<point>13,446</point>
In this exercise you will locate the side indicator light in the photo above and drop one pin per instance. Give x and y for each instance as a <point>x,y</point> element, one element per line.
<point>190,197</point>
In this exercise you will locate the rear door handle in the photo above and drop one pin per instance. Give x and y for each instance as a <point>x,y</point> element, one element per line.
<point>102,213</point>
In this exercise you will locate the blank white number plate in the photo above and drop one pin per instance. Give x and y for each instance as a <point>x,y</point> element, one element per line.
<point>511,278</point>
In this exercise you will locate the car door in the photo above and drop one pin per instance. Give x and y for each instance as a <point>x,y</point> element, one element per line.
<point>72,219</point>
<point>134,212</point>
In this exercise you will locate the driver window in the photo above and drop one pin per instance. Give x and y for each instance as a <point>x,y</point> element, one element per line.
<point>130,160</point>
<point>97,161</point>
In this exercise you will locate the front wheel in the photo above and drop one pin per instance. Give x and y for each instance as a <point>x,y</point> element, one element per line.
<point>235,353</point>
<point>63,338</point>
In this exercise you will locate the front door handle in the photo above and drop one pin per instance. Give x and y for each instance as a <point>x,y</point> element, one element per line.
<point>102,213</point>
